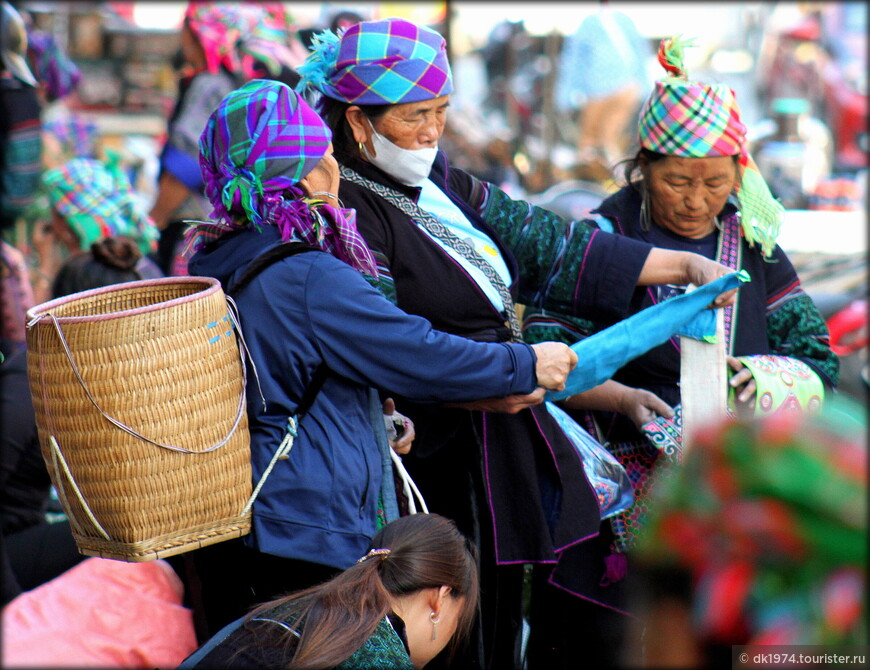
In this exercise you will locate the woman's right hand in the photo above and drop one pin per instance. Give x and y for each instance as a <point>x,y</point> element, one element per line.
<point>700,270</point>
<point>667,266</point>
<point>555,361</point>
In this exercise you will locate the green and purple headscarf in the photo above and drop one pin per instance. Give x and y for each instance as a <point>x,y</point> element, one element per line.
<point>257,145</point>
<point>385,62</point>
<point>97,201</point>
<point>694,120</point>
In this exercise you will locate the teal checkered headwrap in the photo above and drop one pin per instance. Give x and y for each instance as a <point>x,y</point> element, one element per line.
<point>694,120</point>
<point>97,201</point>
<point>384,62</point>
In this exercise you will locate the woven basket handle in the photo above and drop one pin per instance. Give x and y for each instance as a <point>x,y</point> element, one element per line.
<point>127,429</point>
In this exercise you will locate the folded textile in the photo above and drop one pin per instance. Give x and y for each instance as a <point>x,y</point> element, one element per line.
<point>602,354</point>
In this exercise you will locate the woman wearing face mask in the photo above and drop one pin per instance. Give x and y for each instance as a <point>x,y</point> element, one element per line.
<point>318,335</point>
<point>459,251</point>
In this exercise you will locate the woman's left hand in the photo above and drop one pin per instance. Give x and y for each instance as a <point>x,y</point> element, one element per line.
<point>742,382</point>
<point>404,428</point>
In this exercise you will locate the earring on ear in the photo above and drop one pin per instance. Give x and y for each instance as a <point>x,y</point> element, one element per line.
<point>434,618</point>
<point>645,217</point>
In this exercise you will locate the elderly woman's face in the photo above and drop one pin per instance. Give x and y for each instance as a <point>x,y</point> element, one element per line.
<point>414,125</point>
<point>686,194</point>
<point>64,233</point>
<point>324,179</point>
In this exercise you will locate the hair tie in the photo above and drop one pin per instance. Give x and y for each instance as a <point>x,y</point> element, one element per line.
<point>374,552</point>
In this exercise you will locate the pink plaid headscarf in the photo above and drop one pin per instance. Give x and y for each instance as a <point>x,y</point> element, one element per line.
<point>219,26</point>
<point>694,120</point>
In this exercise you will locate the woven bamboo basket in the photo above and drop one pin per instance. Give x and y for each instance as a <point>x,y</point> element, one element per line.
<point>139,394</point>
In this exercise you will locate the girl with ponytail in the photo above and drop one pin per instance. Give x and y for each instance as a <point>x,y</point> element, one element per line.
<point>410,596</point>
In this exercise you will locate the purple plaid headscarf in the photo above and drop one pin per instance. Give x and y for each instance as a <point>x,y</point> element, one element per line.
<point>257,145</point>
<point>385,62</point>
<point>53,68</point>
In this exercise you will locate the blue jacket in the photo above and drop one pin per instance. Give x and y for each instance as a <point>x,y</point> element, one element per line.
<point>320,504</point>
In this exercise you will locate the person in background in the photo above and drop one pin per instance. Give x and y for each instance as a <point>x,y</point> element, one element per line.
<point>57,74</point>
<point>320,336</point>
<point>89,201</point>
<point>693,187</point>
<point>760,538</point>
<point>20,125</point>
<point>602,75</point>
<point>34,550</point>
<point>413,593</point>
<point>209,39</point>
<point>16,297</point>
<point>458,252</point>
<point>266,50</point>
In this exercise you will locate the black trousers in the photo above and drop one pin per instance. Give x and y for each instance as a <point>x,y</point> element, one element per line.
<point>37,555</point>
<point>451,480</point>
<point>567,632</point>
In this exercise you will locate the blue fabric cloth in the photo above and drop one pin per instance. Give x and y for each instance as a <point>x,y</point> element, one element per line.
<point>320,504</point>
<point>602,354</point>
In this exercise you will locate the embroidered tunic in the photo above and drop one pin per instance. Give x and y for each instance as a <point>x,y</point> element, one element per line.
<point>773,316</point>
<point>519,470</point>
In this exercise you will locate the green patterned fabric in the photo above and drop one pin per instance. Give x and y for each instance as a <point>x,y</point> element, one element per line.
<point>793,329</point>
<point>782,384</point>
<point>548,257</point>
<point>384,650</point>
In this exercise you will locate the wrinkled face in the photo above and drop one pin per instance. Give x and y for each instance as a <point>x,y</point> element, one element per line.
<point>686,194</point>
<point>414,125</point>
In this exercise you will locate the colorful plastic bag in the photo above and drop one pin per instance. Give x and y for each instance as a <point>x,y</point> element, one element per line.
<point>606,475</point>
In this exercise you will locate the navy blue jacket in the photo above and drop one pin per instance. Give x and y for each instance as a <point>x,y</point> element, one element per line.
<point>311,309</point>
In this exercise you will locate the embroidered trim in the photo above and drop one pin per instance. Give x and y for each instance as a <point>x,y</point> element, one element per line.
<point>729,253</point>
<point>440,231</point>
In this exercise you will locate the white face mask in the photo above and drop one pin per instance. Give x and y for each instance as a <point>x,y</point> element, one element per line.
<point>407,166</point>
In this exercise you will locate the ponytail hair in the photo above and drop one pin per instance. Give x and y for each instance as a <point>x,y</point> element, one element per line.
<point>332,620</point>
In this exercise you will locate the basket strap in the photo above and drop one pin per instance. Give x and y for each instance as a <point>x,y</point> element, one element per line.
<point>283,451</point>
<point>239,414</point>
<point>57,455</point>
